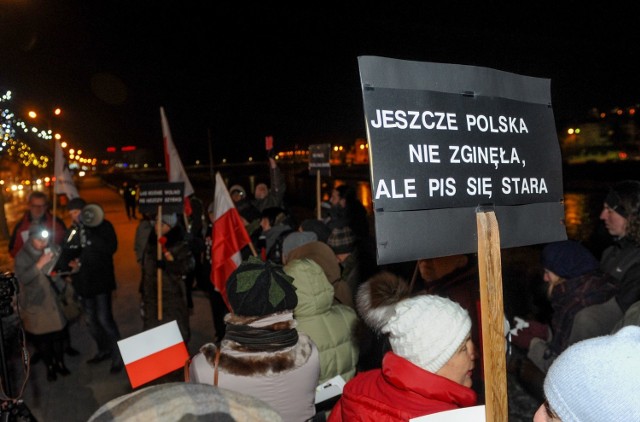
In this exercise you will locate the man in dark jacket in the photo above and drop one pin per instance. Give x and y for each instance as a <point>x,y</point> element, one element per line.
<point>94,280</point>
<point>620,215</point>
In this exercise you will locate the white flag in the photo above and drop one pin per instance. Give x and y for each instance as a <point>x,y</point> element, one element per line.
<point>63,180</point>
<point>172,158</point>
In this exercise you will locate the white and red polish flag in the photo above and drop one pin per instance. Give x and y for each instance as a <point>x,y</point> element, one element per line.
<point>153,353</point>
<point>63,182</point>
<point>172,162</point>
<point>229,237</point>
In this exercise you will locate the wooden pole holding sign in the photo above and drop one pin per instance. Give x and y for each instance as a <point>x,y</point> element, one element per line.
<point>318,196</point>
<point>492,316</point>
<point>159,198</point>
<point>320,164</point>
<point>159,257</point>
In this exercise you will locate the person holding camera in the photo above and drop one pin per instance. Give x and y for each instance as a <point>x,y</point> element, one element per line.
<point>38,213</point>
<point>42,318</point>
<point>94,278</point>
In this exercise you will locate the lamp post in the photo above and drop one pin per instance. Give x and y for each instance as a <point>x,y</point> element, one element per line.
<point>55,137</point>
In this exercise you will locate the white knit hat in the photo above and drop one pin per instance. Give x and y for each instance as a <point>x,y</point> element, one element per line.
<point>427,330</point>
<point>597,379</point>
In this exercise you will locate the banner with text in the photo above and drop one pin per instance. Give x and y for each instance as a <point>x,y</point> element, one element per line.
<point>445,139</point>
<point>320,159</point>
<point>169,195</point>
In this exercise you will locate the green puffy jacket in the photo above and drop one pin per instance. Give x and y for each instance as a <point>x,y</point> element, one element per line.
<point>330,326</point>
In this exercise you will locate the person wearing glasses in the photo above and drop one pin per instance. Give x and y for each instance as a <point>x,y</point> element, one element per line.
<point>38,213</point>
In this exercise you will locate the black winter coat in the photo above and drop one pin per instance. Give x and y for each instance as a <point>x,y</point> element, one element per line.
<point>96,275</point>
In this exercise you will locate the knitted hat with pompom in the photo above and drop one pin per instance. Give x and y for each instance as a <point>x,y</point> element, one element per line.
<point>427,330</point>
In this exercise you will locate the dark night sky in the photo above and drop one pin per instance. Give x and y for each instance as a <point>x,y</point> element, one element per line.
<point>243,72</point>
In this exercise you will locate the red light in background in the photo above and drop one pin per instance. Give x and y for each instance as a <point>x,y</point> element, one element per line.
<point>128,148</point>
<point>111,149</point>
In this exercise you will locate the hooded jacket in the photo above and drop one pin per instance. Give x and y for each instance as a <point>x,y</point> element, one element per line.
<point>330,325</point>
<point>285,379</point>
<point>323,255</point>
<point>398,392</point>
<point>39,308</point>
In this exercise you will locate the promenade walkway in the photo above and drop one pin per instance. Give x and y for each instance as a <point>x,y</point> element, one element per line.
<point>77,396</point>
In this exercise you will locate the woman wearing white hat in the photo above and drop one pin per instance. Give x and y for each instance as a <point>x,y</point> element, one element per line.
<point>428,369</point>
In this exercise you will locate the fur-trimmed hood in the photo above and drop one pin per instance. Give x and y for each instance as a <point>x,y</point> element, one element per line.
<point>237,360</point>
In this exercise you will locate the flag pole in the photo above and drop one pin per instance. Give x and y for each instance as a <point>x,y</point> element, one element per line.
<point>210,157</point>
<point>159,257</point>
<point>253,249</point>
<point>55,193</point>
<point>318,196</point>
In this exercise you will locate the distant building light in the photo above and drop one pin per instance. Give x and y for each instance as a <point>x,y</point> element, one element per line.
<point>111,149</point>
<point>128,148</point>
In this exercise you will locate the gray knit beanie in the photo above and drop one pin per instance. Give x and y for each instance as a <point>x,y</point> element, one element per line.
<point>297,239</point>
<point>170,219</point>
<point>597,379</point>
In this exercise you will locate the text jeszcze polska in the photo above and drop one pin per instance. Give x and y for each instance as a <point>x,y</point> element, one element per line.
<point>458,154</point>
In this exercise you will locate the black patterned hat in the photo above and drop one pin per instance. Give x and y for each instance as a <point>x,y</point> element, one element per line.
<point>259,288</point>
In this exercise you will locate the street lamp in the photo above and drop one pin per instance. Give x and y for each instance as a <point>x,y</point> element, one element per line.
<point>57,111</point>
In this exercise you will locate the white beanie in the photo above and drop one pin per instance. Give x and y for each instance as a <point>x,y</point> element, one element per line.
<point>427,330</point>
<point>597,379</point>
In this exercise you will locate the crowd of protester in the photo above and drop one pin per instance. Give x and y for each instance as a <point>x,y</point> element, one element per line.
<point>308,304</point>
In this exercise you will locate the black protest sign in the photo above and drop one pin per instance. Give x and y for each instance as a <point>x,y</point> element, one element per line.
<point>169,195</point>
<point>445,139</point>
<point>320,159</point>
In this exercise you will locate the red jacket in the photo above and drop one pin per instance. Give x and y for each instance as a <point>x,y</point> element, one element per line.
<point>21,230</point>
<point>398,392</point>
